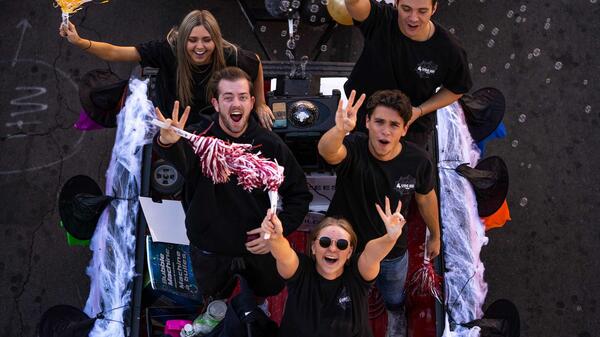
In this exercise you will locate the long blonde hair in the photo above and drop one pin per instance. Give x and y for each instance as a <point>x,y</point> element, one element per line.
<point>177,39</point>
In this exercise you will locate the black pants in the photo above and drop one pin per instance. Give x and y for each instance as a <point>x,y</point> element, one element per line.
<point>215,274</point>
<point>421,138</point>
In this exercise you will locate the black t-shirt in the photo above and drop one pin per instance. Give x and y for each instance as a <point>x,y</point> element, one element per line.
<point>159,54</point>
<point>390,60</point>
<point>323,308</point>
<point>362,180</point>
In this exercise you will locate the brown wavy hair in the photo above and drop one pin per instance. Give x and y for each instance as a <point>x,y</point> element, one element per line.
<point>393,99</point>
<point>433,2</point>
<point>227,74</point>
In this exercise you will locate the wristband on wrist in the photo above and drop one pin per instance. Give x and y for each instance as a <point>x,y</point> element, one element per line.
<point>89,46</point>
<point>161,143</point>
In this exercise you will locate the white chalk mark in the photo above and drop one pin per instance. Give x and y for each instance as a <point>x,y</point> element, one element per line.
<point>20,123</point>
<point>34,107</point>
<point>18,135</point>
<point>23,25</point>
<point>75,146</point>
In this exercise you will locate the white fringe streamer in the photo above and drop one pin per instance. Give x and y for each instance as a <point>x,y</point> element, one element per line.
<point>113,263</point>
<point>463,232</point>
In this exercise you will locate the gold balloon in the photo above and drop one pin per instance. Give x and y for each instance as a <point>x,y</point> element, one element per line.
<point>337,10</point>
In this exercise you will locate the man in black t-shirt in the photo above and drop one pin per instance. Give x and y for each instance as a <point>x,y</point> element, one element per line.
<point>404,49</point>
<point>369,168</point>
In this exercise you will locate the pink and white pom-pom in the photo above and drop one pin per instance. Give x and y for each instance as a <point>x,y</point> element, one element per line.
<point>219,159</point>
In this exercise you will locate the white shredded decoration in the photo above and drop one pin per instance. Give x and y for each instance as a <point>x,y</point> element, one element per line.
<point>463,232</point>
<point>112,268</point>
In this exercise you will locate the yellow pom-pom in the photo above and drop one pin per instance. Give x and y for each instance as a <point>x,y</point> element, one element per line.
<point>70,6</point>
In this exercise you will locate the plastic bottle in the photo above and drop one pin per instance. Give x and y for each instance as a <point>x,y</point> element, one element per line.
<point>206,322</point>
<point>188,331</point>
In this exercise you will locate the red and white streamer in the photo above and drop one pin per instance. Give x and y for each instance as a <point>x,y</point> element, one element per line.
<point>424,281</point>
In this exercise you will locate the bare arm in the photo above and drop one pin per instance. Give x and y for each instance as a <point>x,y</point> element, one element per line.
<point>428,207</point>
<point>358,9</point>
<point>440,99</point>
<point>331,145</point>
<point>377,249</point>
<point>264,113</point>
<point>286,258</point>
<point>103,50</point>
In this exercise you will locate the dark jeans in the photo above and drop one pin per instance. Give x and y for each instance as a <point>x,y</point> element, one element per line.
<point>216,274</point>
<point>390,281</point>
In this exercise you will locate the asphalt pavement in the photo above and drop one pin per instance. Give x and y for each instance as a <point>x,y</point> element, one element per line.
<point>543,55</point>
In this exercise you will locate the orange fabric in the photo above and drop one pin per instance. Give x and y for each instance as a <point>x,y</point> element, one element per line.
<point>497,219</point>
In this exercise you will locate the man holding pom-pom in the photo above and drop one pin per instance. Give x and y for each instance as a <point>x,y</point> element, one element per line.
<point>223,220</point>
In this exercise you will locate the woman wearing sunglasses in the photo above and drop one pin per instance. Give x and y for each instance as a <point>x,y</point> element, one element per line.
<point>328,293</point>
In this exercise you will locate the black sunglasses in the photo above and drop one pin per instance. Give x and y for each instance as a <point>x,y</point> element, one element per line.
<point>325,242</point>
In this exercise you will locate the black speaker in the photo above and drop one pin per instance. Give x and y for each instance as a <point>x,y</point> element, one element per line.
<point>304,114</point>
<point>301,120</point>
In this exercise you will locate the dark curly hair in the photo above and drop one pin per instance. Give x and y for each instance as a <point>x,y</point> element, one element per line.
<point>433,2</point>
<point>393,99</point>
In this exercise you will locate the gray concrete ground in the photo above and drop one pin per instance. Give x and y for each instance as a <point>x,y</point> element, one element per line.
<point>541,54</point>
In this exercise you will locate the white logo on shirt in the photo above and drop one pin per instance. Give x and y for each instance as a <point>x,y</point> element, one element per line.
<point>426,69</point>
<point>344,299</point>
<point>405,185</point>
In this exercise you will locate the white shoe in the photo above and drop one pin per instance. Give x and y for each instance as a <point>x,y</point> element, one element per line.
<point>397,326</point>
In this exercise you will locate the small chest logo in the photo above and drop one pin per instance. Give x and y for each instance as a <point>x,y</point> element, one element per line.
<point>405,185</point>
<point>344,299</point>
<point>426,69</point>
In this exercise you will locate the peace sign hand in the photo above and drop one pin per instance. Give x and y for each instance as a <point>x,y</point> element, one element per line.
<point>167,135</point>
<point>345,117</point>
<point>394,222</point>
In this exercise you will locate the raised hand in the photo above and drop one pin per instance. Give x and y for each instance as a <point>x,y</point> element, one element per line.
<point>394,222</point>
<point>272,225</point>
<point>168,136</point>
<point>345,117</point>
<point>69,32</point>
